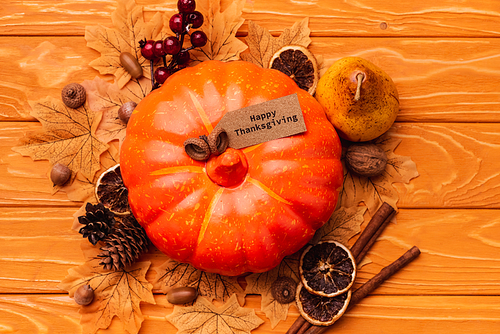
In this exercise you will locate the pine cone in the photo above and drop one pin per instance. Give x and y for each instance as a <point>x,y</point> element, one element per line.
<point>126,242</point>
<point>98,222</point>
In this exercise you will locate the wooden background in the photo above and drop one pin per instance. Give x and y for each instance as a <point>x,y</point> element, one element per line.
<point>444,56</point>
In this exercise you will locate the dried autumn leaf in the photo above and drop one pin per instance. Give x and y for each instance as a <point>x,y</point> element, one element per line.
<point>262,45</point>
<point>205,317</point>
<point>108,99</point>
<point>117,293</point>
<point>128,29</point>
<point>221,25</point>
<point>67,137</point>
<point>260,283</point>
<point>212,286</point>
<point>342,225</point>
<point>82,188</point>
<point>376,190</point>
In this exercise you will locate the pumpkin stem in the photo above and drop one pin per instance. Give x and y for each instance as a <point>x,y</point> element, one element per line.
<point>228,169</point>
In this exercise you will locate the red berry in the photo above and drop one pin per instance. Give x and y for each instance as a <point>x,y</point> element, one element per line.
<point>186,6</point>
<point>183,58</point>
<point>176,23</point>
<point>195,19</point>
<point>171,45</point>
<point>158,49</point>
<point>161,74</point>
<point>147,49</point>
<point>198,39</point>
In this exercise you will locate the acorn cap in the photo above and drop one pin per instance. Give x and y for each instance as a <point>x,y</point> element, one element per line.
<point>73,95</point>
<point>283,289</point>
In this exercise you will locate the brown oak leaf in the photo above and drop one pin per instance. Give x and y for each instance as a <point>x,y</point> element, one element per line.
<point>376,190</point>
<point>212,286</point>
<point>117,293</point>
<point>108,98</point>
<point>67,137</point>
<point>220,26</point>
<point>262,45</point>
<point>260,283</point>
<point>342,225</point>
<point>128,29</point>
<point>205,317</point>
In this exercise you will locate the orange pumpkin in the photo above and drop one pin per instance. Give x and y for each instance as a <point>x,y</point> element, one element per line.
<point>241,211</point>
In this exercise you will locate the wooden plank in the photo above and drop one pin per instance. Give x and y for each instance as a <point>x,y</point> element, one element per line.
<point>437,314</point>
<point>41,242</point>
<point>24,181</point>
<point>434,86</point>
<point>473,18</point>
<point>457,163</point>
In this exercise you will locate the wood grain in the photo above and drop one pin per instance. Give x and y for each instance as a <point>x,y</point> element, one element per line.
<point>42,243</point>
<point>472,18</point>
<point>433,84</point>
<point>457,162</point>
<point>437,314</point>
<point>444,59</point>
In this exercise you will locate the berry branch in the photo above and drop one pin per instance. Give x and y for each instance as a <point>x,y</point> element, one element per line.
<point>180,24</point>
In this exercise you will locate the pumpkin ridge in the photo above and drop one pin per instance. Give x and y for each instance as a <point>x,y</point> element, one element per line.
<point>177,169</point>
<point>208,214</point>
<point>267,190</point>
<point>201,112</point>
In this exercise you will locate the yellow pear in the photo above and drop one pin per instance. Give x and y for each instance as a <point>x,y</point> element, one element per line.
<point>360,99</point>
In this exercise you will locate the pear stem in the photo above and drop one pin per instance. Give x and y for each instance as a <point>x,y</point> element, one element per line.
<point>360,77</point>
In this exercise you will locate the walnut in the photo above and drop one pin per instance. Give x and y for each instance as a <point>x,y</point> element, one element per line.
<point>367,159</point>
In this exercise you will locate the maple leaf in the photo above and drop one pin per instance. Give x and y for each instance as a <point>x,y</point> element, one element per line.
<point>117,293</point>
<point>221,25</point>
<point>342,225</point>
<point>260,283</point>
<point>67,137</point>
<point>205,317</point>
<point>108,99</point>
<point>82,189</point>
<point>128,29</point>
<point>212,286</point>
<point>262,45</point>
<point>376,190</point>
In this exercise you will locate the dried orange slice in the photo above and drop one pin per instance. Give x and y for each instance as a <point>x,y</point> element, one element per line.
<point>299,64</point>
<point>327,269</point>
<point>111,191</point>
<point>319,310</point>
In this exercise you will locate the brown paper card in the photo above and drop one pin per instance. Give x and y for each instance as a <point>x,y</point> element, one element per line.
<point>278,118</point>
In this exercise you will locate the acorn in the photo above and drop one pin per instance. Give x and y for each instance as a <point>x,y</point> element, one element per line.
<point>283,289</point>
<point>60,174</point>
<point>84,295</point>
<point>367,160</point>
<point>182,295</point>
<point>131,65</point>
<point>73,95</point>
<point>126,110</point>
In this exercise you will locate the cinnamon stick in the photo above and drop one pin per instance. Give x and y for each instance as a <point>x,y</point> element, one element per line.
<point>305,327</point>
<point>370,234</point>
<point>367,238</point>
<point>374,283</point>
<point>295,328</point>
